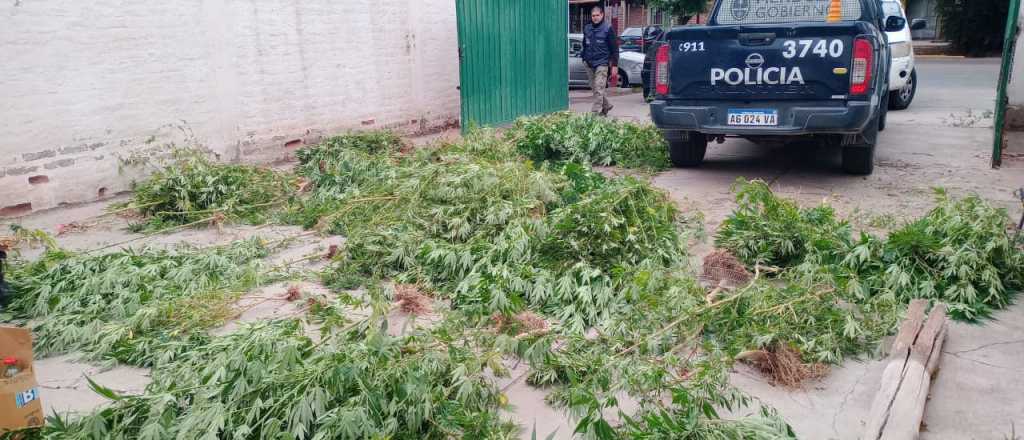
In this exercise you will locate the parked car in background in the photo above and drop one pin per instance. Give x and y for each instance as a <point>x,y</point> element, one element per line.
<point>903,76</point>
<point>630,66</point>
<point>631,40</point>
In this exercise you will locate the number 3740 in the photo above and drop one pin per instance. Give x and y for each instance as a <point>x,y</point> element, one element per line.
<point>821,48</point>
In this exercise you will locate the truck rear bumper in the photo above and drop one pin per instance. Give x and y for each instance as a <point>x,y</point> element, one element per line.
<point>795,118</point>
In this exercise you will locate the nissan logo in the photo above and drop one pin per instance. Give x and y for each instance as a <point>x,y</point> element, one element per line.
<point>755,60</point>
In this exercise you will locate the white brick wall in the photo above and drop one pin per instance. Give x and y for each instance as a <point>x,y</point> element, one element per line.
<point>1015,89</point>
<point>85,85</point>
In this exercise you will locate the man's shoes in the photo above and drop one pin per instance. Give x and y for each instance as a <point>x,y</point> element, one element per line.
<point>605,111</point>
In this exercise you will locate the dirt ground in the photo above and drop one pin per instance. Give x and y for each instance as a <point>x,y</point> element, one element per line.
<point>943,140</point>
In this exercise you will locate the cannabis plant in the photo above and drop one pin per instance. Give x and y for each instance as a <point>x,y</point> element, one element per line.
<point>269,380</point>
<point>959,253</point>
<point>588,139</point>
<point>193,188</point>
<point>131,306</point>
<point>495,233</point>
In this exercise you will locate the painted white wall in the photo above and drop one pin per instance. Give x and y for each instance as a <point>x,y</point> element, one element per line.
<point>86,86</point>
<point>1015,89</point>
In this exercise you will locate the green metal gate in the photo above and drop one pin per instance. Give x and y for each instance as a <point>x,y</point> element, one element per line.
<point>513,59</point>
<point>1009,47</point>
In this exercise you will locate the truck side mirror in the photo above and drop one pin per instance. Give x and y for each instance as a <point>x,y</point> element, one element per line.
<point>894,23</point>
<point>918,24</point>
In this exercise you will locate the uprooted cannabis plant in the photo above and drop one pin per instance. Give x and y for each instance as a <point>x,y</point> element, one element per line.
<point>588,139</point>
<point>959,253</point>
<point>192,188</point>
<point>474,221</point>
<point>156,308</point>
<point>269,380</point>
<point>645,374</point>
<point>131,306</point>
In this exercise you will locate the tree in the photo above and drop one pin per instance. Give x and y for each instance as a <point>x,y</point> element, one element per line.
<point>682,9</point>
<point>975,27</point>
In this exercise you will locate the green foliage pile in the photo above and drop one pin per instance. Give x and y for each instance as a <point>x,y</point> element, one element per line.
<point>816,320</point>
<point>129,306</point>
<point>767,230</point>
<point>193,188</point>
<point>958,254</point>
<point>589,139</point>
<point>154,308</point>
<point>976,28</point>
<point>268,380</point>
<point>475,222</point>
<point>651,352</point>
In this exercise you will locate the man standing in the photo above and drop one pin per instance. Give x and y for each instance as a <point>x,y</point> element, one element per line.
<point>600,55</point>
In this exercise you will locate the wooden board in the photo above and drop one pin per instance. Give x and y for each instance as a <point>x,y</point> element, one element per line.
<point>898,408</point>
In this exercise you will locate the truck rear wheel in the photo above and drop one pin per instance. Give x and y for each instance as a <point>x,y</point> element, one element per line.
<point>859,158</point>
<point>687,149</point>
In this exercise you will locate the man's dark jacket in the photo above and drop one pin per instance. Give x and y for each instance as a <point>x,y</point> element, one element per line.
<point>600,44</point>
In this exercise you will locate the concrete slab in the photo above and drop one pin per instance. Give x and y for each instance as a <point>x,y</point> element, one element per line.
<point>64,388</point>
<point>978,392</point>
<point>832,408</point>
<point>272,302</point>
<point>307,252</point>
<point>528,407</point>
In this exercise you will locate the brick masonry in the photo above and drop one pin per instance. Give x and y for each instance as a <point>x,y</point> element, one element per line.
<point>636,16</point>
<point>1015,88</point>
<point>91,89</point>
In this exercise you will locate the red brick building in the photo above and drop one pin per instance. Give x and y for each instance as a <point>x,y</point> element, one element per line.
<point>623,13</point>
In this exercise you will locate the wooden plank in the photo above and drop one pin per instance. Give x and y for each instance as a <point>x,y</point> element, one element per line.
<point>928,344</point>
<point>898,408</point>
<point>892,376</point>
<point>894,370</point>
<point>910,328</point>
<point>908,404</point>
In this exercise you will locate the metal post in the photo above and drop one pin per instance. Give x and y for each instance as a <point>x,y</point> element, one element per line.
<point>1009,43</point>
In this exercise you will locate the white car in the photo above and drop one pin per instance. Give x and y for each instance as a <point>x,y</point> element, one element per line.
<point>902,74</point>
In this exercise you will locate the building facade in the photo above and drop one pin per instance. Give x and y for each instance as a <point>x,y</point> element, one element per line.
<point>92,89</point>
<point>623,14</point>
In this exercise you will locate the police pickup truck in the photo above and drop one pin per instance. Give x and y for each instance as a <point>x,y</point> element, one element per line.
<point>771,70</point>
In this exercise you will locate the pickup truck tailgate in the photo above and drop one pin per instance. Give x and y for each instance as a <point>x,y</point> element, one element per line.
<point>765,62</point>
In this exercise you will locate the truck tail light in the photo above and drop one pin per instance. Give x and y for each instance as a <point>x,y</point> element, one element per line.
<point>863,59</point>
<point>661,70</point>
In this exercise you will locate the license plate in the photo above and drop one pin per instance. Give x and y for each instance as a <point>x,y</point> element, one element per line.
<point>753,117</point>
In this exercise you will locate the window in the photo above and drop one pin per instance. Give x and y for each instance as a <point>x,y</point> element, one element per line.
<point>892,9</point>
<point>790,11</point>
<point>657,18</point>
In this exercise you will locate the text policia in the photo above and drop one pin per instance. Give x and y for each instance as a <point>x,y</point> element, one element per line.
<point>749,76</point>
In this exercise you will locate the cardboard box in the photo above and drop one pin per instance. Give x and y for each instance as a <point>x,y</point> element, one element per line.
<point>19,395</point>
